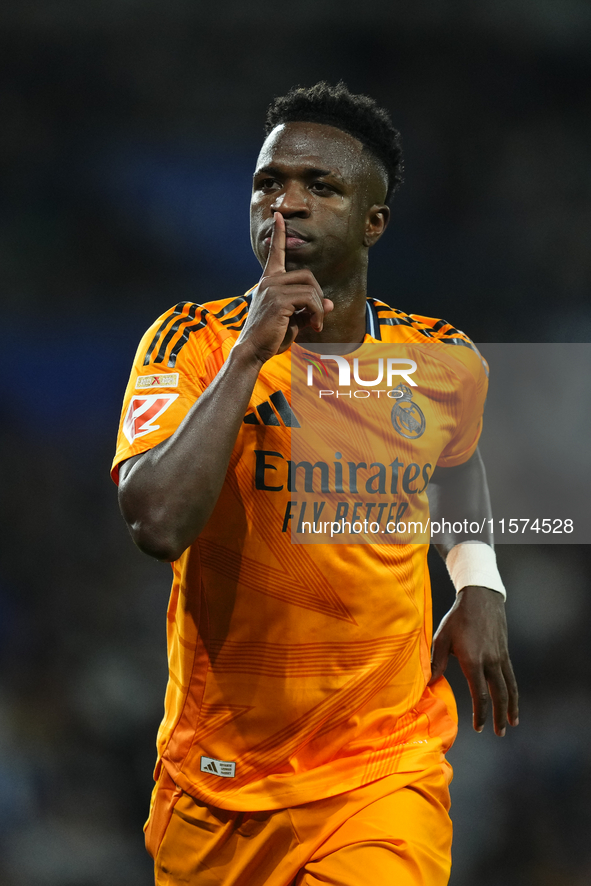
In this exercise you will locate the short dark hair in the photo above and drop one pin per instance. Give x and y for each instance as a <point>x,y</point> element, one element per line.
<point>359,115</point>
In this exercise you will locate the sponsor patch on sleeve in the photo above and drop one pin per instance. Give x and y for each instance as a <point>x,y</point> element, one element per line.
<point>142,413</point>
<point>169,380</point>
<point>218,767</point>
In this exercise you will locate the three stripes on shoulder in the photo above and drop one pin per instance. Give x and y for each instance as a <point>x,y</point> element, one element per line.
<point>274,411</point>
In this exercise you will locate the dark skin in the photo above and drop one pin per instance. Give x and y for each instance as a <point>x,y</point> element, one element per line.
<point>475,628</point>
<point>317,208</point>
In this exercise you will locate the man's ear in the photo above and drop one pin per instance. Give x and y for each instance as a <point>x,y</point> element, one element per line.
<point>376,222</point>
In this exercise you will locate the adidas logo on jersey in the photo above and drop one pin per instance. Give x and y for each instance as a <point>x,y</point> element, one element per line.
<point>274,411</point>
<point>223,768</point>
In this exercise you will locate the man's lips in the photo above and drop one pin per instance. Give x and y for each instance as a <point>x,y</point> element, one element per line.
<point>293,239</point>
<point>294,242</point>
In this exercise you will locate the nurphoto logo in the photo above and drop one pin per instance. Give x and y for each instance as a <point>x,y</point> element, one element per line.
<point>395,367</point>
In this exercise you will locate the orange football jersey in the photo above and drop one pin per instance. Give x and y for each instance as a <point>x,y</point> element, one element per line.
<point>297,671</point>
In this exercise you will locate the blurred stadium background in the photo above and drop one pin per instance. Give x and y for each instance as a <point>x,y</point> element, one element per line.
<point>128,133</point>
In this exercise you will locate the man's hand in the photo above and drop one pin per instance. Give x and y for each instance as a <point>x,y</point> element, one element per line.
<point>283,302</point>
<point>475,631</point>
<point>167,494</point>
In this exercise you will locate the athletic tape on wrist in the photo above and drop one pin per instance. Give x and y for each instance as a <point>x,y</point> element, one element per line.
<point>474,563</point>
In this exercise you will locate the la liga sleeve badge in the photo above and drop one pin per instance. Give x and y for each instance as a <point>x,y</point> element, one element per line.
<point>142,413</point>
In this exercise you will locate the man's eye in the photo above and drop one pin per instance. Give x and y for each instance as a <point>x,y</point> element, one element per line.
<point>267,184</point>
<point>321,188</point>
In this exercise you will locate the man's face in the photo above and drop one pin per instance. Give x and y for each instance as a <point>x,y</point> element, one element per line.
<point>325,185</point>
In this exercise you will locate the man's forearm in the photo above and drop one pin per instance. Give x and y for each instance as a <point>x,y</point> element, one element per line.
<point>457,495</point>
<point>167,494</point>
<point>475,628</point>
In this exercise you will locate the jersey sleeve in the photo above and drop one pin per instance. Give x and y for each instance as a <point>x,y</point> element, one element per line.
<point>471,397</point>
<point>471,371</point>
<point>166,379</point>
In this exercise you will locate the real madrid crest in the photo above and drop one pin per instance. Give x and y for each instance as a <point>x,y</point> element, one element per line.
<point>407,418</point>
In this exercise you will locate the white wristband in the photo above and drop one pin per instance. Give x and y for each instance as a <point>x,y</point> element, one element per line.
<point>474,563</point>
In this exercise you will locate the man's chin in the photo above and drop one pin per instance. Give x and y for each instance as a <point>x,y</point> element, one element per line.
<point>292,265</point>
<point>295,261</point>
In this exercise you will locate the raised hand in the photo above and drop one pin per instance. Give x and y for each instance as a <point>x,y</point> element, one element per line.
<point>283,302</point>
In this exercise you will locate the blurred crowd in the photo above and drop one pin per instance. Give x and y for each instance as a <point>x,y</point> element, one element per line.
<point>128,139</point>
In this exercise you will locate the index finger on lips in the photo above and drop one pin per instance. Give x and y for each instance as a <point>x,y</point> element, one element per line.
<point>276,258</point>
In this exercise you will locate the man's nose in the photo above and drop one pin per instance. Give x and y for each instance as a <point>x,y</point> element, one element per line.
<point>292,201</point>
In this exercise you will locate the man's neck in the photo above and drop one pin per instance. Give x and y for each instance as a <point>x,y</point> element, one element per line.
<point>346,322</point>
